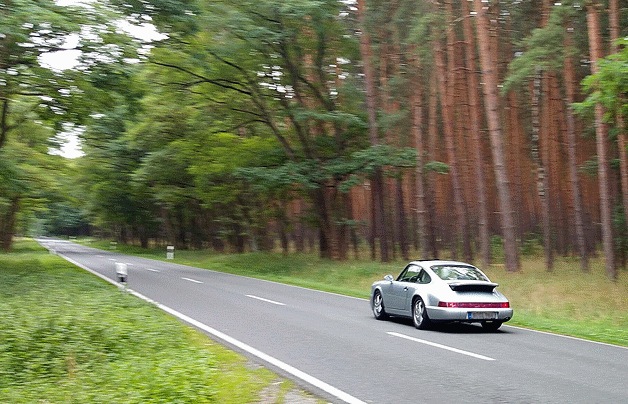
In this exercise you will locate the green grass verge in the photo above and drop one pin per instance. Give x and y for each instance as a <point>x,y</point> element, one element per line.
<point>69,337</point>
<point>565,301</point>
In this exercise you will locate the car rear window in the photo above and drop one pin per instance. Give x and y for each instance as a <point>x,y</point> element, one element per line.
<point>459,272</point>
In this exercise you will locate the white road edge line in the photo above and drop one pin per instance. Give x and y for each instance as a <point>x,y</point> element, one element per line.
<point>311,380</point>
<point>566,336</point>
<point>434,344</point>
<point>191,280</point>
<point>319,384</point>
<point>265,300</point>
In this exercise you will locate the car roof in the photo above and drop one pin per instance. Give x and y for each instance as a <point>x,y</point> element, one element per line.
<point>432,262</point>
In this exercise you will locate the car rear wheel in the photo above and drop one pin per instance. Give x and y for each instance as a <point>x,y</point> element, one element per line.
<point>419,314</point>
<point>491,325</point>
<point>378,306</point>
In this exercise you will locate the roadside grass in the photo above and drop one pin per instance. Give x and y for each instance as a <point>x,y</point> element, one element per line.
<point>69,337</point>
<point>565,301</point>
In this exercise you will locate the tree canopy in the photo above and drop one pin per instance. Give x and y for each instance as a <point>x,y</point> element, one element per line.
<point>306,121</point>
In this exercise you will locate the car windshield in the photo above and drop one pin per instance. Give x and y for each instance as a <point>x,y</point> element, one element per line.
<point>459,272</point>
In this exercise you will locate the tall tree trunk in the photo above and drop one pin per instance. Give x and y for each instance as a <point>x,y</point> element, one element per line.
<point>378,227</point>
<point>474,112</point>
<point>557,185</point>
<point>571,151</point>
<point>167,226</point>
<point>417,134</point>
<point>7,224</point>
<point>448,118</point>
<point>4,121</point>
<point>328,237</point>
<point>491,95</point>
<point>541,174</point>
<point>431,183</point>
<point>622,143</point>
<point>595,45</point>
<point>403,239</point>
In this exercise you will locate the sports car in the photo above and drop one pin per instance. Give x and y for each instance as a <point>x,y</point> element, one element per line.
<point>440,291</point>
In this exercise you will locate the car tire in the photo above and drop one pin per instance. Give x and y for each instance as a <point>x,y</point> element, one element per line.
<point>378,306</point>
<point>419,314</point>
<point>491,326</point>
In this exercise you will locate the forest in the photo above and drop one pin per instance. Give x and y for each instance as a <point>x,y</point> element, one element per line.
<point>392,128</point>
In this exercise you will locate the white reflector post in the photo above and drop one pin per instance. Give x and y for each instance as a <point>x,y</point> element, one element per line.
<point>170,252</point>
<point>121,272</point>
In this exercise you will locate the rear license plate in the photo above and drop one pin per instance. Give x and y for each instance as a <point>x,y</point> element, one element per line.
<point>482,315</point>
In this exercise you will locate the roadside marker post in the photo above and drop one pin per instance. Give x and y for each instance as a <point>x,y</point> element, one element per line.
<point>121,272</point>
<point>170,252</point>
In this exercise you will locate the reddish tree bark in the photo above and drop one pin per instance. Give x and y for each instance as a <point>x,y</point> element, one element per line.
<point>491,101</point>
<point>595,45</point>
<point>377,220</point>
<point>572,152</point>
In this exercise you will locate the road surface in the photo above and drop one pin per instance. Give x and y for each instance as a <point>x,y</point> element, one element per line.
<point>333,346</point>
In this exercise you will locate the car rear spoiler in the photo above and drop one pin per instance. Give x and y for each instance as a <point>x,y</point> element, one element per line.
<point>472,286</point>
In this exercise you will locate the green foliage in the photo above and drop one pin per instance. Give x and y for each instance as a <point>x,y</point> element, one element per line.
<point>436,166</point>
<point>620,233</point>
<point>346,172</point>
<point>543,49</point>
<point>608,87</point>
<point>40,100</point>
<point>34,30</point>
<point>30,179</point>
<point>531,245</point>
<point>497,247</point>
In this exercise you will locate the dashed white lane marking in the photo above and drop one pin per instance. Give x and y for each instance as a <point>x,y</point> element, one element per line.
<point>191,280</point>
<point>434,344</point>
<point>265,300</point>
<point>152,270</point>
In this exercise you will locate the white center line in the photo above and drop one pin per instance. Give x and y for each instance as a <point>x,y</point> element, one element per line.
<point>192,280</point>
<point>152,270</point>
<point>265,300</point>
<point>434,344</point>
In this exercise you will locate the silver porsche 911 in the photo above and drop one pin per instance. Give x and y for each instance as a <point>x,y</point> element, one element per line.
<point>436,290</point>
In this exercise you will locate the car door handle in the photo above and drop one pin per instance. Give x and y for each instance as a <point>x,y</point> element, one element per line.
<point>405,289</point>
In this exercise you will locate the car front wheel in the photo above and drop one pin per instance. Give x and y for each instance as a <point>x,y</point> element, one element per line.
<point>378,306</point>
<point>419,314</point>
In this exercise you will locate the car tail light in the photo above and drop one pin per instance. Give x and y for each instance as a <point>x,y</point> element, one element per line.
<point>504,305</point>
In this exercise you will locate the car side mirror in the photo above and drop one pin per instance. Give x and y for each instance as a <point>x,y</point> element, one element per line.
<point>389,278</point>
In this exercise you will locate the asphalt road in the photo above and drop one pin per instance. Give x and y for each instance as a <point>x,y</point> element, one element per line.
<point>333,346</point>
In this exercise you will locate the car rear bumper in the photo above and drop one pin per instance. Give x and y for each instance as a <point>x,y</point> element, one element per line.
<point>468,315</point>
